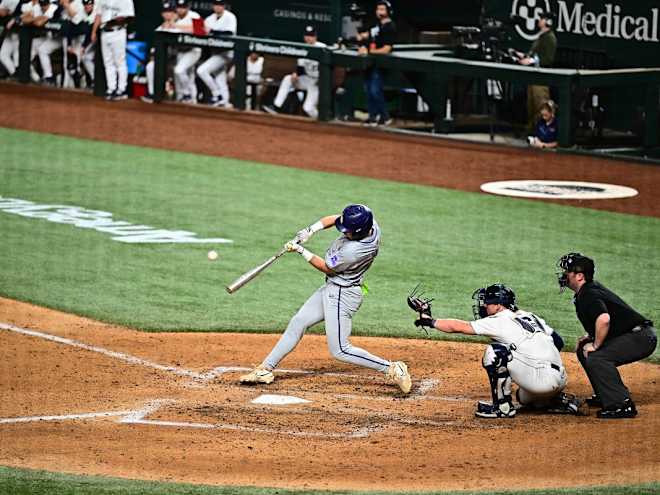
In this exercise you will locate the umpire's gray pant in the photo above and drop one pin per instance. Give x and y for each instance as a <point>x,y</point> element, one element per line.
<point>601,365</point>
<point>336,306</point>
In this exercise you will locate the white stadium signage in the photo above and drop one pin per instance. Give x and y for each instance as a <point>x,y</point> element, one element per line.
<point>102,221</point>
<point>558,189</point>
<point>611,21</point>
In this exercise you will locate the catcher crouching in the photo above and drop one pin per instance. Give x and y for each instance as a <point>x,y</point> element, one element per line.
<point>524,351</point>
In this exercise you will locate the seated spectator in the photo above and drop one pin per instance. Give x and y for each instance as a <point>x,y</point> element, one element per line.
<point>546,129</point>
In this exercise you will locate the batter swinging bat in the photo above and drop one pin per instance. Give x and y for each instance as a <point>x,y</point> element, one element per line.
<point>247,276</point>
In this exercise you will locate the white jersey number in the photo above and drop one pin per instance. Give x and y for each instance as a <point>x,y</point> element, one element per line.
<point>530,323</point>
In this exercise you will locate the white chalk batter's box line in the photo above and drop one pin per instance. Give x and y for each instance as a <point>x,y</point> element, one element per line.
<point>140,417</point>
<point>421,391</point>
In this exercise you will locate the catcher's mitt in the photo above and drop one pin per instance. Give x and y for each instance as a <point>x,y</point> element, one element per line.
<point>422,306</point>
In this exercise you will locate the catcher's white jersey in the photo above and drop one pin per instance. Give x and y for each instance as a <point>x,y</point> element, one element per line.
<point>530,335</point>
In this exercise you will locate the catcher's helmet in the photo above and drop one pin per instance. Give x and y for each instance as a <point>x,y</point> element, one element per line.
<point>574,263</point>
<point>493,294</point>
<point>356,219</point>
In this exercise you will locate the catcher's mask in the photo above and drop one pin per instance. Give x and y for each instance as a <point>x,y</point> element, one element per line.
<point>493,294</point>
<point>574,263</point>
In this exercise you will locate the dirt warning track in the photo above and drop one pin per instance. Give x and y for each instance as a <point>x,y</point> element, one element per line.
<point>85,397</point>
<point>310,145</point>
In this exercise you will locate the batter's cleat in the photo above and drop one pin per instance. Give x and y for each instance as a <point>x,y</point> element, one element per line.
<point>398,373</point>
<point>258,375</point>
<point>121,96</point>
<point>110,96</point>
<point>627,410</point>
<point>216,101</point>
<point>490,411</point>
<point>568,404</point>
<point>147,98</point>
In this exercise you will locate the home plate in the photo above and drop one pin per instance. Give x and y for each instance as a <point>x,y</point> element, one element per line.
<point>279,400</point>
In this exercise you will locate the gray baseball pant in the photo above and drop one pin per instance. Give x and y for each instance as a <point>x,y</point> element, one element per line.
<point>336,306</point>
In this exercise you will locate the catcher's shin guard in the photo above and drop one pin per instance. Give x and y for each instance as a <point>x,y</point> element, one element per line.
<point>495,361</point>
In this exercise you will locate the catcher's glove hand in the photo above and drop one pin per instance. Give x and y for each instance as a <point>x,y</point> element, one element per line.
<point>421,306</point>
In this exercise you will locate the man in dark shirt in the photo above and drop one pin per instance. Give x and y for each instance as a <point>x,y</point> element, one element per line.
<point>378,41</point>
<point>616,335</point>
<point>541,54</point>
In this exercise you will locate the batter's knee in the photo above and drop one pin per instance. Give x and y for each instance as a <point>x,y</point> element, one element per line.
<point>179,70</point>
<point>339,354</point>
<point>202,71</point>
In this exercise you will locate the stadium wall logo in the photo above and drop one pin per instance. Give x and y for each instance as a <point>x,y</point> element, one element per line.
<point>558,189</point>
<point>102,221</point>
<point>529,10</point>
<point>575,18</point>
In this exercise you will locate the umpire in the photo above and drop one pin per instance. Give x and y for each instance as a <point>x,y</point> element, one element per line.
<point>616,335</point>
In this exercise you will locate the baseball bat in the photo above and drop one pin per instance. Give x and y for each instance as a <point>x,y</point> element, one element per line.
<point>250,275</point>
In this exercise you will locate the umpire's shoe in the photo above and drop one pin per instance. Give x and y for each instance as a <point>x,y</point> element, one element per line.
<point>398,373</point>
<point>491,411</point>
<point>627,410</point>
<point>258,375</point>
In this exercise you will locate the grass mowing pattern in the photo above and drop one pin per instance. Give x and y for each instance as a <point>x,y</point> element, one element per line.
<point>29,482</point>
<point>452,241</point>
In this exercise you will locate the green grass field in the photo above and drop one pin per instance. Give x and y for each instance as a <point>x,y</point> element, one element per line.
<point>28,482</point>
<point>451,241</point>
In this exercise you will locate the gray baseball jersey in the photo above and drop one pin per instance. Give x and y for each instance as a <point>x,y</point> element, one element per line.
<point>349,260</point>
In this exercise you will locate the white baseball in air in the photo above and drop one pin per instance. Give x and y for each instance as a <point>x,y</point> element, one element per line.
<point>213,255</point>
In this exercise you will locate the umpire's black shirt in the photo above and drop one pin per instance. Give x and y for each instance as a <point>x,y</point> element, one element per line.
<point>593,299</point>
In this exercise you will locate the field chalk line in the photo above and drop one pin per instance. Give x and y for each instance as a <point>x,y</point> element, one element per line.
<point>177,370</point>
<point>139,417</point>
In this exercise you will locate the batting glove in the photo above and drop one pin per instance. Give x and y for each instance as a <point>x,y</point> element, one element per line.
<point>293,246</point>
<point>304,235</point>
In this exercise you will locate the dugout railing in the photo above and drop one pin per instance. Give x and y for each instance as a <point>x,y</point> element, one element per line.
<point>429,68</point>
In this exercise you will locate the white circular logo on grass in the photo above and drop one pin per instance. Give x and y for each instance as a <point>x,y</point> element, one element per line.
<point>558,189</point>
<point>529,10</point>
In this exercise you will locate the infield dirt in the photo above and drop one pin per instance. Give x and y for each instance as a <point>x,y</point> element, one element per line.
<point>194,423</point>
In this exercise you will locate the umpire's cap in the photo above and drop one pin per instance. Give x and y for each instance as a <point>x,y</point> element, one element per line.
<point>219,2</point>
